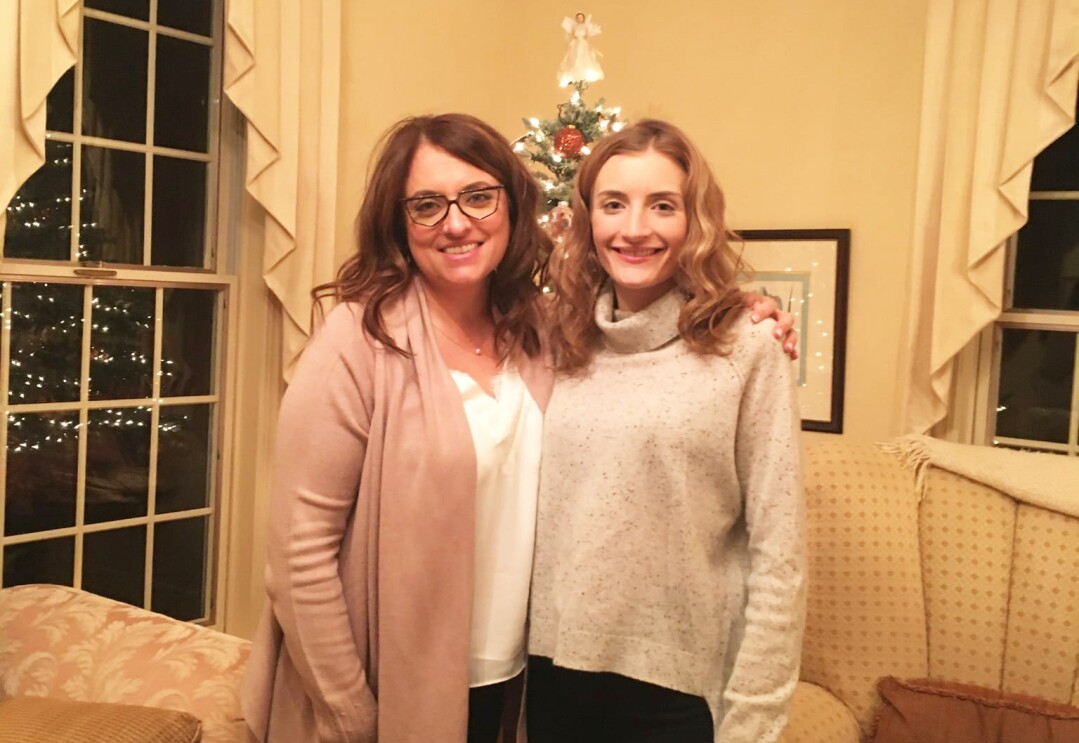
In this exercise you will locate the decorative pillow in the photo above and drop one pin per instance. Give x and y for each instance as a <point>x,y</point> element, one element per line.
<point>30,719</point>
<point>930,711</point>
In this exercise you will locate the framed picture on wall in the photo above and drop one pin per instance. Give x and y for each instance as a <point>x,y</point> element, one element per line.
<point>806,272</point>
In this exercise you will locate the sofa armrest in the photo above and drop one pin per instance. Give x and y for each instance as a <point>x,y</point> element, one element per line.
<point>62,643</point>
<point>817,716</point>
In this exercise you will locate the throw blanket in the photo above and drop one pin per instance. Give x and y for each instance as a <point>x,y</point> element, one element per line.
<point>1046,480</point>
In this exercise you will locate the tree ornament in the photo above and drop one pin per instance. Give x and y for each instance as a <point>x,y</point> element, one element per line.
<point>568,141</point>
<point>581,63</point>
<point>558,221</point>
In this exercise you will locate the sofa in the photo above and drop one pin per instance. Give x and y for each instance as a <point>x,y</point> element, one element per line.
<point>915,571</point>
<point>59,645</point>
<point>919,572</point>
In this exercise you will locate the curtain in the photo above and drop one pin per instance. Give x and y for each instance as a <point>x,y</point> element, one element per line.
<point>38,44</point>
<point>283,72</point>
<point>999,86</point>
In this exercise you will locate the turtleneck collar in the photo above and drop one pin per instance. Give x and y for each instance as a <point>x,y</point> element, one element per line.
<point>654,326</point>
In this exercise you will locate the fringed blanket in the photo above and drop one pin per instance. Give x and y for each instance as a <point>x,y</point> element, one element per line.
<point>1047,480</point>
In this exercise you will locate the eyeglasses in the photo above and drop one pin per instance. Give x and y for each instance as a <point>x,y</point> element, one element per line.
<point>430,210</point>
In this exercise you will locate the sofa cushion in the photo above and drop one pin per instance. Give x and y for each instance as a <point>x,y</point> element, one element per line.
<point>1043,634</point>
<point>931,711</point>
<point>866,612</point>
<point>967,530</point>
<point>29,719</point>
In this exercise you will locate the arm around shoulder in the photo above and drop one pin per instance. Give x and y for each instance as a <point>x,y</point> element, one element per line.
<point>765,670</point>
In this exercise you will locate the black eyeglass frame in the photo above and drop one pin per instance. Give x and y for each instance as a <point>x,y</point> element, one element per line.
<point>453,202</point>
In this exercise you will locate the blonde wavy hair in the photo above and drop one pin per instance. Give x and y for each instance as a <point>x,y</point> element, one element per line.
<point>707,270</point>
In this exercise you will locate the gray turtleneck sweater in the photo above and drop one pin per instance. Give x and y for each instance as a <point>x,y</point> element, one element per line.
<point>670,542</point>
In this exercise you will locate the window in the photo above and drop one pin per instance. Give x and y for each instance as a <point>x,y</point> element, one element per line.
<point>112,353</point>
<point>1030,398</point>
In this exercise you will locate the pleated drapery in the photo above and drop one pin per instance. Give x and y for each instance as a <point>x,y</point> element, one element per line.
<point>38,44</point>
<point>283,71</point>
<point>999,86</point>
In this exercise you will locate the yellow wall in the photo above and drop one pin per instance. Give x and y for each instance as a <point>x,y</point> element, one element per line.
<point>807,111</point>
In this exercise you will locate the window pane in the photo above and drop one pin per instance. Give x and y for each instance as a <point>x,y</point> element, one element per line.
<point>186,15</point>
<point>187,346</point>
<point>1036,368</point>
<point>1047,257</point>
<point>182,96</point>
<point>179,587</point>
<point>114,563</point>
<point>47,561</point>
<point>183,458</point>
<point>42,471</point>
<point>117,464</point>
<point>39,216</point>
<point>46,343</point>
<point>121,343</point>
<point>1057,167</point>
<point>113,194</point>
<point>60,105</point>
<point>114,81</point>
<point>179,231</point>
<point>139,9</point>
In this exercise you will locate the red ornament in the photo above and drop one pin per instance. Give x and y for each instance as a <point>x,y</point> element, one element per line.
<point>568,141</point>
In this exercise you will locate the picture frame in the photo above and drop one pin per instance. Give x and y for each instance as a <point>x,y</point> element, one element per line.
<point>806,272</point>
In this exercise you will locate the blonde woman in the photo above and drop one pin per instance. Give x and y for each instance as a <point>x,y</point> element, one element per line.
<point>668,580</point>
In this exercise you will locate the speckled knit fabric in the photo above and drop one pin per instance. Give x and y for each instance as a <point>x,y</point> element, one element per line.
<point>670,538</point>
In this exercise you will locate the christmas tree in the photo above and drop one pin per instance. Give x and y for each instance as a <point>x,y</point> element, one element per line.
<point>555,147</point>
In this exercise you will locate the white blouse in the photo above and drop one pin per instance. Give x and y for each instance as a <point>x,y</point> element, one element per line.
<point>507,430</point>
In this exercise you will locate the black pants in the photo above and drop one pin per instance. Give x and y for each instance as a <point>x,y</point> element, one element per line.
<point>486,706</point>
<point>566,706</point>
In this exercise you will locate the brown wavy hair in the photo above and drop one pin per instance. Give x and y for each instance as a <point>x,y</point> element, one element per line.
<point>381,269</point>
<point>707,266</point>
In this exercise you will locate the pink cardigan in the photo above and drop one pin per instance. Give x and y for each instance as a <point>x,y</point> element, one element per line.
<point>366,633</point>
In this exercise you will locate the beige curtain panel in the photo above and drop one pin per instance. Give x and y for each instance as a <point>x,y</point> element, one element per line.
<point>38,44</point>
<point>283,71</point>
<point>999,86</point>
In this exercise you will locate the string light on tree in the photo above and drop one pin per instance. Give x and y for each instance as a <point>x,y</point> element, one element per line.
<point>554,147</point>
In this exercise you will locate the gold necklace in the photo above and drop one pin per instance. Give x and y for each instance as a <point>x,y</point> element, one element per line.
<point>478,350</point>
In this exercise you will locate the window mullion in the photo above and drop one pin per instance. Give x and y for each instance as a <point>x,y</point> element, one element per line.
<point>148,188</point>
<point>1073,418</point>
<point>155,428</point>
<point>76,151</point>
<point>84,428</point>
<point>5,366</point>
<point>985,395</point>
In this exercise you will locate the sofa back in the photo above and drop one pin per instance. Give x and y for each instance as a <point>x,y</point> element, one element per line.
<point>965,584</point>
<point>1001,590</point>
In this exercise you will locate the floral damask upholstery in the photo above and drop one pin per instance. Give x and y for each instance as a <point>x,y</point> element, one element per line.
<point>63,643</point>
<point>956,581</point>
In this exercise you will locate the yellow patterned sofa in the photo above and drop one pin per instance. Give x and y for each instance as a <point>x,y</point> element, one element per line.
<point>916,571</point>
<point>61,643</point>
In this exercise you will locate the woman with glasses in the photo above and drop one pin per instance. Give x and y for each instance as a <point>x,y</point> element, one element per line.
<point>407,463</point>
<point>668,588</point>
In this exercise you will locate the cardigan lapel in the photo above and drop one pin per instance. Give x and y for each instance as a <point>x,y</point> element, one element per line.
<point>426,539</point>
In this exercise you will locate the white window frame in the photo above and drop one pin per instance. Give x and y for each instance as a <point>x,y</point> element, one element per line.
<point>225,147</point>
<point>978,367</point>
